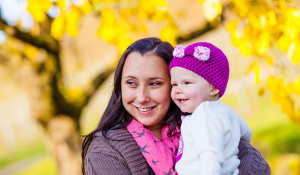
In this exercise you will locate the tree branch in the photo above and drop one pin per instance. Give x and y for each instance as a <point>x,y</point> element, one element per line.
<point>97,82</point>
<point>208,27</point>
<point>46,42</point>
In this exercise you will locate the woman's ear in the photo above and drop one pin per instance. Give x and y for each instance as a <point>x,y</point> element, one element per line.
<point>213,91</point>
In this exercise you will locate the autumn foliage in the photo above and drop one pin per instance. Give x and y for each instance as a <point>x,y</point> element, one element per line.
<point>268,31</point>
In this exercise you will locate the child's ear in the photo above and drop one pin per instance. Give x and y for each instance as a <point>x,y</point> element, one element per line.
<point>213,91</point>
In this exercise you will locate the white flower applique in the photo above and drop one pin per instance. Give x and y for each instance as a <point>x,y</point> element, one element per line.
<point>202,53</point>
<point>179,51</point>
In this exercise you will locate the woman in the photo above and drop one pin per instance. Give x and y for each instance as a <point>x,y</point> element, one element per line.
<point>138,130</point>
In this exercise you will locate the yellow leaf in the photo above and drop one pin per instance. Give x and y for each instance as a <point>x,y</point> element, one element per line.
<point>108,29</point>
<point>272,85</point>
<point>143,27</point>
<point>127,13</point>
<point>36,11</point>
<point>292,13</point>
<point>284,43</point>
<point>241,8</point>
<point>30,51</point>
<point>148,7</point>
<point>256,70</point>
<point>159,15</point>
<point>291,50</point>
<point>61,4</point>
<point>72,22</point>
<point>296,86</point>
<point>231,26</point>
<point>272,20</point>
<point>296,54</point>
<point>108,33</point>
<point>236,38</point>
<point>254,21</point>
<point>46,4</point>
<point>74,93</point>
<point>124,43</point>
<point>287,106</point>
<point>263,21</point>
<point>57,27</point>
<point>269,60</point>
<point>107,17</point>
<point>244,48</point>
<point>86,7</point>
<point>262,44</point>
<point>212,9</point>
<point>169,33</point>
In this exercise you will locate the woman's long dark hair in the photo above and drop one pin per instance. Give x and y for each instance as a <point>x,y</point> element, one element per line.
<point>115,115</point>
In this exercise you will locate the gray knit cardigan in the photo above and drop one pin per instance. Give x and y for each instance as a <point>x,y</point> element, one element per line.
<point>120,155</point>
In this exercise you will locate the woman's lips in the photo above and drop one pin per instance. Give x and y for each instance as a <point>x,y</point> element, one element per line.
<point>145,110</point>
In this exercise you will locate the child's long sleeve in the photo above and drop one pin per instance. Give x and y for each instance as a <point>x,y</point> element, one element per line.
<point>208,135</point>
<point>246,133</point>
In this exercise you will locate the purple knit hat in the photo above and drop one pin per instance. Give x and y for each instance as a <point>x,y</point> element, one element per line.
<point>204,59</point>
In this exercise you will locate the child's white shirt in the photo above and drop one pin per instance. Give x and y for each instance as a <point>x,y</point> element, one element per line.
<point>209,140</point>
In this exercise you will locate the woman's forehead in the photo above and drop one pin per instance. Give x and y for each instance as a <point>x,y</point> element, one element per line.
<point>148,65</point>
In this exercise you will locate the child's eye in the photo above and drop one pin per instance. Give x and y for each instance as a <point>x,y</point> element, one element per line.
<point>187,82</point>
<point>173,84</point>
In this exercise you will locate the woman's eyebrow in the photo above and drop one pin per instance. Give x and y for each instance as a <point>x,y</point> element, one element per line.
<point>154,78</point>
<point>129,76</point>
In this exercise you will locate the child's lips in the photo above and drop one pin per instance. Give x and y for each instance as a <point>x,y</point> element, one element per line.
<point>182,100</point>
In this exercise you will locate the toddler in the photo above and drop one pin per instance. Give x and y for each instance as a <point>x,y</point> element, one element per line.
<point>210,135</point>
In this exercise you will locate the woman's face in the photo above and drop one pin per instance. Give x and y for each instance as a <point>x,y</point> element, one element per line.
<point>146,88</point>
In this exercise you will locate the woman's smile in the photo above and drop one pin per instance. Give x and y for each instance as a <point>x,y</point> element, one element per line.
<point>145,109</point>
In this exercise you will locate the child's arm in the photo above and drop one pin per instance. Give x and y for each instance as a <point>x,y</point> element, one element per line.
<point>207,134</point>
<point>246,133</point>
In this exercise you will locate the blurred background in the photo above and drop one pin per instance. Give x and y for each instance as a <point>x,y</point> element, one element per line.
<point>57,58</point>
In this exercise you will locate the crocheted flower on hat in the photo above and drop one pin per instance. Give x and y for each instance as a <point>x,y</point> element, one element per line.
<point>179,51</point>
<point>202,53</point>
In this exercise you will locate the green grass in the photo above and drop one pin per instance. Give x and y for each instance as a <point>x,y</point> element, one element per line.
<point>22,153</point>
<point>46,167</point>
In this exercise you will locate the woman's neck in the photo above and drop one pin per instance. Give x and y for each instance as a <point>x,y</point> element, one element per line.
<point>156,130</point>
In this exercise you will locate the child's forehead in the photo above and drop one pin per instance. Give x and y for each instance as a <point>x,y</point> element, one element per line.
<point>183,73</point>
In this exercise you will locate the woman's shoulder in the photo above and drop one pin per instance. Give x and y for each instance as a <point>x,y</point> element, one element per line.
<point>117,146</point>
<point>119,140</point>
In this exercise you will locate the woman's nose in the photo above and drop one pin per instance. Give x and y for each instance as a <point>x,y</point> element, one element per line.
<point>142,95</point>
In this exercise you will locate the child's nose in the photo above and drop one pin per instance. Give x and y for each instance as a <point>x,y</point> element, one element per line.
<point>178,90</point>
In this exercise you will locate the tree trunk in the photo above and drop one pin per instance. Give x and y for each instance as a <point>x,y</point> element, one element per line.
<point>64,144</point>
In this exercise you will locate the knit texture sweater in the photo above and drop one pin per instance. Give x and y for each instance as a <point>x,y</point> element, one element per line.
<point>120,154</point>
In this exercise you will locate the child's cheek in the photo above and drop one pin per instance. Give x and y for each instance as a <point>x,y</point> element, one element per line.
<point>173,94</point>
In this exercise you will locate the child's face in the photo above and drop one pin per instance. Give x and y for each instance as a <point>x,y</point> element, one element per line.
<point>188,89</point>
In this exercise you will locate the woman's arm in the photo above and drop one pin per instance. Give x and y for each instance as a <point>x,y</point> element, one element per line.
<point>252,162</point>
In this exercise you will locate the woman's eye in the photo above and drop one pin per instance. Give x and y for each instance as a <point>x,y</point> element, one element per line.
<point>130,83</point>
<point>155,83</point>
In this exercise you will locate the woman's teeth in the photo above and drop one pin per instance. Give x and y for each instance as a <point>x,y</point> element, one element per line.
<point>144,109</point>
